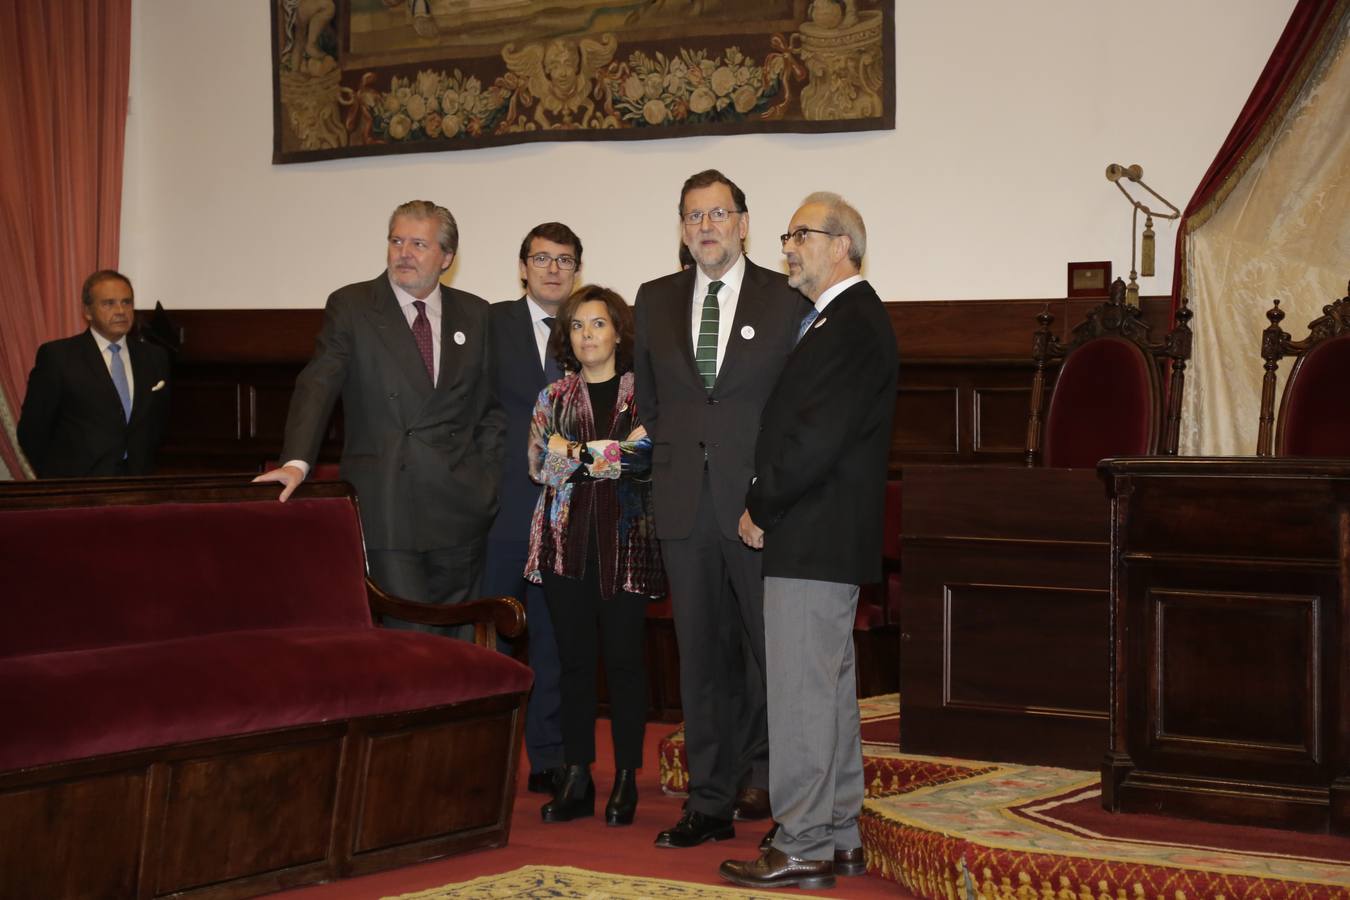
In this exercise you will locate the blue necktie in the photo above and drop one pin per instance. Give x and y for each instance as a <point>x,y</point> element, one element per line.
<point>119,377</point>
<point>806,323</point>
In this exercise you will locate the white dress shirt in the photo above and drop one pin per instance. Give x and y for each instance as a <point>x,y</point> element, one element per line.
<point>727,296</point>
<point>433,302</point>
<point>835,290</point>
<point>542,330</point>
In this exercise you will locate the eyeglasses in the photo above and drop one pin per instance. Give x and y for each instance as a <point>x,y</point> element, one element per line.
<point>565,263</point>
<point>798,235</point>
<point>718,215</point>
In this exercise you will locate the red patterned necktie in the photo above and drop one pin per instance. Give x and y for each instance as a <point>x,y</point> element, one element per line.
<point>421,329</point>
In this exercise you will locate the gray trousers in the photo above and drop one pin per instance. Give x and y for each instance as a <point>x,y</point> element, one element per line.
<point>815,763</point>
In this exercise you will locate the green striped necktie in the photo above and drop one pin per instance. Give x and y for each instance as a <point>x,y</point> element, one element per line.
<point>706,354</point>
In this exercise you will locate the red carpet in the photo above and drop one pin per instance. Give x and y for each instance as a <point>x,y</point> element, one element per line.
<point>946,828</point>
<point>590,845</point>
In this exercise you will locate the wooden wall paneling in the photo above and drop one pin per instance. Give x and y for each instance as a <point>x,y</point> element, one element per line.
<point>1003,651</point>
<point>1229,620</point>
<point>964,367</point>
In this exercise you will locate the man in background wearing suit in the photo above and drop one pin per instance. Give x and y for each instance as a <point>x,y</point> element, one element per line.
<point>550,257</point>
<point>412,361</point>
<point>815,508</point>
<point>710,343</point>
<point>97,402</point>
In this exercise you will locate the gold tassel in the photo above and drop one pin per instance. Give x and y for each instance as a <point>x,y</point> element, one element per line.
<point>1146,251</point>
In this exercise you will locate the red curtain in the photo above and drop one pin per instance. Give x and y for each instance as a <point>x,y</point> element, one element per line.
<point>65,67</point>
<point>1280,81</point>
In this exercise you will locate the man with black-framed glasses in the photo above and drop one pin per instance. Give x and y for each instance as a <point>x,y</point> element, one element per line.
<point>815,510</point>
<point>710,343</point>
<point>550,258</point>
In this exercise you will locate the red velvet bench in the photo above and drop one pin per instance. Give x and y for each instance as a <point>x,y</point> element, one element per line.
<point>195,700</point>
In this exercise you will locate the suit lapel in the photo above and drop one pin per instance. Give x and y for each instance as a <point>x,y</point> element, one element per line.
<point>455,335</point>
<point>680,324</point>
<point>140,378</point>
<point>396,337</point>
<point>749,311</point>
<point>96,371</point>
<point>523,336</point>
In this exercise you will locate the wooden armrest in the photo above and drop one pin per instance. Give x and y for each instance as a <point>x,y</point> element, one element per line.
<point>490,616</point>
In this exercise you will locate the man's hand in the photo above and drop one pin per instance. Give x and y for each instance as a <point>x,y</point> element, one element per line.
<point>289,476</point>
<point>751,534</point>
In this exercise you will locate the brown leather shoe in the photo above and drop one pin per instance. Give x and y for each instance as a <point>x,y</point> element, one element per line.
<point>751,803</point>
<point>775,869</point>
<point>850,862</point>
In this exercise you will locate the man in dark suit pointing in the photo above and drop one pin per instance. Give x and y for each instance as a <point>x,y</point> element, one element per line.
<point>97,402</point>
<point>815,509</point>
<point>710,343</point>
<point>412,361</point>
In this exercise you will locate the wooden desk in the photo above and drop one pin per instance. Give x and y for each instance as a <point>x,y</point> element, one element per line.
<point>1003,618</point>
<point>1230,696</point>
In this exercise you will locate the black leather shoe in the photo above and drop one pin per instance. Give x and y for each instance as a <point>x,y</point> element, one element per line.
<point>751,803</point>
<point>574,797</point>
<point>766,842</point>
<point>850,862</point>
<point>775,869</point>
<point>623,799</point>
<point>693,829</point>
<point>545,782</point>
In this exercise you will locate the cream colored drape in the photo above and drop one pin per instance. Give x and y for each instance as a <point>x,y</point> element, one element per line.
<point>1283,231</point>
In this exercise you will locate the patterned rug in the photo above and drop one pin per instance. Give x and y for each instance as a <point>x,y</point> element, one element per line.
<point>563,882</point>
<point>953,828</point>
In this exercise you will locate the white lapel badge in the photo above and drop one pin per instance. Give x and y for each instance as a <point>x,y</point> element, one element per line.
<point>460,338</point>
<point>158,385</point>
<point>748,332</point>
<point>819,322</point>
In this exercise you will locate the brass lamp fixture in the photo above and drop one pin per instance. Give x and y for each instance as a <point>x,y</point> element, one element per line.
<point>1118,174</point>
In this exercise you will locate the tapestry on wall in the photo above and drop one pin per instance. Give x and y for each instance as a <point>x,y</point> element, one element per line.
<point>365,77</point>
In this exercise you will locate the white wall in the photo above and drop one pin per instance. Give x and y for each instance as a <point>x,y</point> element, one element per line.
<point>1006,116</point>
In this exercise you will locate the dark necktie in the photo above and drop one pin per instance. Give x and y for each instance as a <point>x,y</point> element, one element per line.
<point>552,371</point>
<point>421,329</point>
<point>119,378</point>
<point>806,323</point>
<point>706,354</point>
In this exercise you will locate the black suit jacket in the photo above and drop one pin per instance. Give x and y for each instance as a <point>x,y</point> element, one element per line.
<point>683,418</point>
<point>72,424</point>
<point>519,376</point>
<point>821,460</point>
<point>424,460</point>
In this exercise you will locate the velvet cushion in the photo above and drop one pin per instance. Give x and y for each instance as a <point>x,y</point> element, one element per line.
<point>1103,405</point>
<point>70,705</point>
<point>1315,418</point>
<point>107,575</point>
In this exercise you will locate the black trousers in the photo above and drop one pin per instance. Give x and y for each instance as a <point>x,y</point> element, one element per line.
<point>452,575</point>
<point>586,625</point>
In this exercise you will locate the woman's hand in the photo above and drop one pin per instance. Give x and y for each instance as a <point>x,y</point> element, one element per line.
<point>637,433</point>
<point>557,445</point>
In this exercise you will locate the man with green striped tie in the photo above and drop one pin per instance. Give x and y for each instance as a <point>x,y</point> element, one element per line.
<point>711,341</point>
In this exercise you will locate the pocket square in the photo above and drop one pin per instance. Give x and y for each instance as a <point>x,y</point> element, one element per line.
<point>158,385</point>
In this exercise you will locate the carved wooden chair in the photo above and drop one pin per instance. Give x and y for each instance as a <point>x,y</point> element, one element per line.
<point>1109,397</point>
<point>1314,415</point>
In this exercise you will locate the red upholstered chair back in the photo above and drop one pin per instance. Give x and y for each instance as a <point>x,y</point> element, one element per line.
<point>1314,415</point>
<point>110,562</point>
<point>1114,394</point>
<point>1105,403</point>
